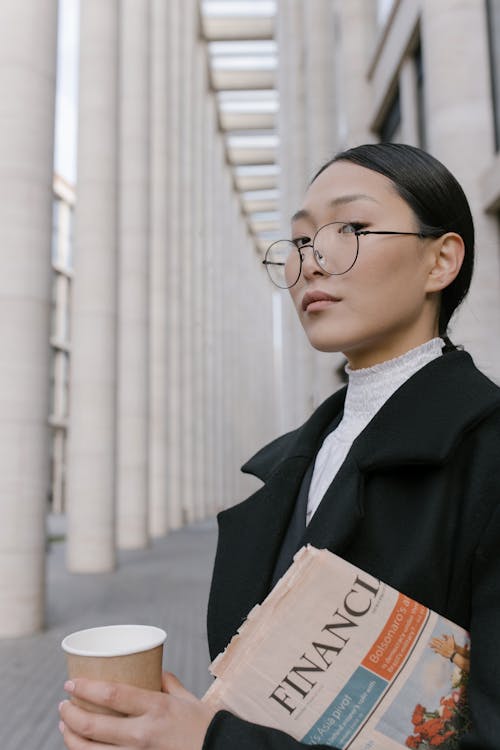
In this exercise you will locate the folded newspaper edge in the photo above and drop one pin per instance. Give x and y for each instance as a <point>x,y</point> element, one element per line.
<point>334,656</point>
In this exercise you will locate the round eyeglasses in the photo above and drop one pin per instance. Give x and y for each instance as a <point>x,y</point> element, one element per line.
<point>335,248</point>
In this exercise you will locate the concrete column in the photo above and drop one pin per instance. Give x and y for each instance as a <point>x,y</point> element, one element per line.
<point>207,244</point>
<point>160,257</point>
<point>297,354</point>
<point>293,103</point>
<point>319,45</point>
<point>461,94</point>
<point>408,92</point>
<point>91,441</point>
<point>220,251</point>
<point>355,29</point>
<point>210,223</point>
<point>198,277</point>
<point>134,274</point>
<point>175,250</point>
<point>227,246</point>
<point>233,346</point>
<point>27,96</point>
<point>239,425</point>
<point>322,142</point>
<point>186,249</point>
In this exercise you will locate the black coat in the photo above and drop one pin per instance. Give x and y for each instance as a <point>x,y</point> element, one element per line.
<point>416,504</point>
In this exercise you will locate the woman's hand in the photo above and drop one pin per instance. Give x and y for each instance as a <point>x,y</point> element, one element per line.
<point>444,646</point>
<point>171,720</point>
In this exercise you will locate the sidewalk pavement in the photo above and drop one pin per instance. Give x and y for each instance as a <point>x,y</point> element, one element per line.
<point>165,585</point>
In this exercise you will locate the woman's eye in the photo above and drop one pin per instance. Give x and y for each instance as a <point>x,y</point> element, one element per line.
<point>300,241</point>
<point>351,227</point>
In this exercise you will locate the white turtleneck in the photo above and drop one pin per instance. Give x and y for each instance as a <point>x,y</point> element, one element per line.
<point>368,390</point>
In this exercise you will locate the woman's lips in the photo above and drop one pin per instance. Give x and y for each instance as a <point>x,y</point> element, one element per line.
<point>316,301</point>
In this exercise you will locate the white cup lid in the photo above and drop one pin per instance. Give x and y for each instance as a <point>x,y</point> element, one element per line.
<point>113,640</point>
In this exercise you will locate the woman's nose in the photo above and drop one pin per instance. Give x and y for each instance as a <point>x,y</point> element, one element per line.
<point>310,267</point>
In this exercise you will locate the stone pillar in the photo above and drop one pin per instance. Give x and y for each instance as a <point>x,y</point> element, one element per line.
<point>134,274</point>
<point>226,246</point>
<point>355,26</point>
<point>28,45</point>
<point>322,143</point>
<point>159,262</point>
<point>186,249</point>
<point>198,196</point>
<point>461,94</point>
<point>174,249</point>
<point>209,271</point>
<point>296,352</point>
<point>408,92</point>
<point>293,104</point>
<point>91,443</point>
<point>220,250</point>
<point>321,120</point>
<point>213,337</point>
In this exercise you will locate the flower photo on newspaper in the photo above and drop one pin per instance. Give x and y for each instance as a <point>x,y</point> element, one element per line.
<point>431,709</point>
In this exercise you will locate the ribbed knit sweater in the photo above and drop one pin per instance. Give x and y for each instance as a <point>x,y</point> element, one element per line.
<point>367,391</point>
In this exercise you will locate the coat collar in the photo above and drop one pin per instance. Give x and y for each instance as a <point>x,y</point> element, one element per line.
<point>419,424</point>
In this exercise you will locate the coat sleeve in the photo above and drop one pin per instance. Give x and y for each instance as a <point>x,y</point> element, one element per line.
<point>484,678</point>
<point>228,732</point>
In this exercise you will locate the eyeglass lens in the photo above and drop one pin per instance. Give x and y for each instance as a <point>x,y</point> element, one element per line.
<point>335,252</point>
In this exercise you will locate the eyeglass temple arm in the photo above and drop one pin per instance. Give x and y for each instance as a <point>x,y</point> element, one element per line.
<point>409,234</point>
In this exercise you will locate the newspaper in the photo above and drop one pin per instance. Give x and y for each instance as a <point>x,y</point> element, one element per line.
<point>333,656</point>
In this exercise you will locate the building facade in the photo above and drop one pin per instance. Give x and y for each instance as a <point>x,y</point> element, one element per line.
<point>157,374</point>
<point>415,71</point>
<point>169,357</point>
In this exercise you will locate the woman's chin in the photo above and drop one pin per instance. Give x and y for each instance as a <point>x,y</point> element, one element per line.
<point>325,343</point>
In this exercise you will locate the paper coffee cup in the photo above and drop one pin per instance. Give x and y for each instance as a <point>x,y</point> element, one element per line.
<point>116,653</point>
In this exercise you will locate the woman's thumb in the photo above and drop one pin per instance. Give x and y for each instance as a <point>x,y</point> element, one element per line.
<point>171,684</point>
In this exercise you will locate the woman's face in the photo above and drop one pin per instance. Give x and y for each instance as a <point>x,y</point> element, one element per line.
<point>381,307</point>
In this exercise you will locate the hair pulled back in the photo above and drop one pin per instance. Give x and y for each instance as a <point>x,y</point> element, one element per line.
<point>434,195</point>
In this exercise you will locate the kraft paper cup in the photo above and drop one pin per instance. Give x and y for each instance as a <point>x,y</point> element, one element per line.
<point>116,653</point>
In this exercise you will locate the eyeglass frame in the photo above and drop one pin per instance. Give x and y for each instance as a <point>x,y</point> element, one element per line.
<point>357,232</point>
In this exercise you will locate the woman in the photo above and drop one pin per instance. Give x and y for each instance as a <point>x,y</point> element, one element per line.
<point>397,473</point>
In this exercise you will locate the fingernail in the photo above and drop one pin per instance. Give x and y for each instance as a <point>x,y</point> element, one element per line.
<point>62,704</point>
<point>61,727</point>
<point>69,686</point>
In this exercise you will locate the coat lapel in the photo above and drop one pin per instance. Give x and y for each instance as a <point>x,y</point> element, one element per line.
<point>250,535</point>
<point>341,509</point>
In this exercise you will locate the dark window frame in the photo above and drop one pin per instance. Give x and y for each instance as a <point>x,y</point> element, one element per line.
<point>392,119</point>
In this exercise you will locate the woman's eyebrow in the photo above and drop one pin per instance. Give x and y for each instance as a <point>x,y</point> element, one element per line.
<point>341,200</point>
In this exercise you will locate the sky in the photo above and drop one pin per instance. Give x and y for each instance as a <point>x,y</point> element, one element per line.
<point>67,90</point>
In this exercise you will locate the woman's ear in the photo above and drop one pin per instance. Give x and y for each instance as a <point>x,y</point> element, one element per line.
<point>448,255</point>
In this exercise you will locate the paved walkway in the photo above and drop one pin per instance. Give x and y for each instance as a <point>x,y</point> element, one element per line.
<point>165,585</point>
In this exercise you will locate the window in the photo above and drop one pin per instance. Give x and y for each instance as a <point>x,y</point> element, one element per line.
<point>55,229</point>
<point>390,128</point>
<point>419,69</point>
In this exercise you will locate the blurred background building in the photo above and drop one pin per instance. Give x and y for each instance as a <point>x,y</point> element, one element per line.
<point>144,354</point>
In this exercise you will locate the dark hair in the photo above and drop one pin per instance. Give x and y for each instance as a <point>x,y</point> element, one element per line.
<point>434,195</point>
